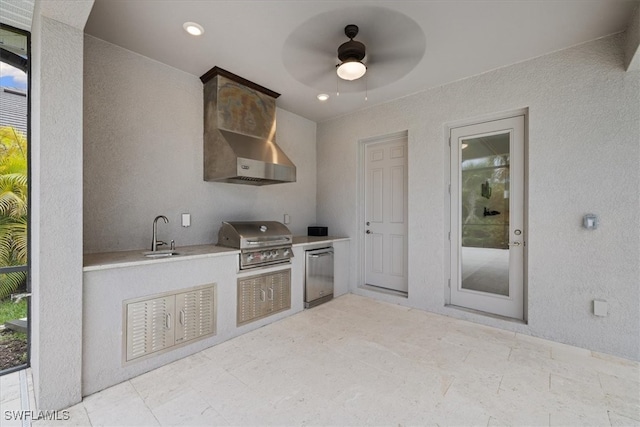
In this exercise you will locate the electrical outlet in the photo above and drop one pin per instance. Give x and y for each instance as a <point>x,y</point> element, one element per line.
<point>186,220</point>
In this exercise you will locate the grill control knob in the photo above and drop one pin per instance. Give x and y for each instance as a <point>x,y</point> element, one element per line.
<point>249,257</point>
<point>286,252</point>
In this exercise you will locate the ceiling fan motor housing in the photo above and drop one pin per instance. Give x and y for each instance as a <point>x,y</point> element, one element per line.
<point>351,50</point>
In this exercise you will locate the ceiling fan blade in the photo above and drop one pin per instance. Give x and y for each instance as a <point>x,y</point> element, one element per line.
<point>310,47</point>
<point>317,77</point>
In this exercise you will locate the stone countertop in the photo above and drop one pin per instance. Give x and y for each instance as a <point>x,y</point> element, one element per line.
<point>308,240</point>
<point>108,260</point>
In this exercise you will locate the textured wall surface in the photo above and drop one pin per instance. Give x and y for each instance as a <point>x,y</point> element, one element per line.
<point>584,156</point>
<point>72,12</point>
<point>56,208</point>
<point>143,157</point>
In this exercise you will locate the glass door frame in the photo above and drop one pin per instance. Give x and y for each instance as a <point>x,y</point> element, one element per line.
<point>452,211</point>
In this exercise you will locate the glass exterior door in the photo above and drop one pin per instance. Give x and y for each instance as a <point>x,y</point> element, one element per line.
<point>485,214</point>
<point>487,163</point>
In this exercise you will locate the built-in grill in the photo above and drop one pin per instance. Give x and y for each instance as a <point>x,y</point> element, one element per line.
<point>261,243</point>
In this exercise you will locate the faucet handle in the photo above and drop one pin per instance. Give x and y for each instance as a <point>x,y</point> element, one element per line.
<point>173,245</point>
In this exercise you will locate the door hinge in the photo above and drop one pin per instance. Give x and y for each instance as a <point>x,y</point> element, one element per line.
<point>449,188</point>
<point>449,141</point>
<point>449,236</point>
<point>449,283</point>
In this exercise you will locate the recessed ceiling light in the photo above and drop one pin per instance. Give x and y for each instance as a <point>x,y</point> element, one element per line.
<point>323,97</point>
<point>193,28</point>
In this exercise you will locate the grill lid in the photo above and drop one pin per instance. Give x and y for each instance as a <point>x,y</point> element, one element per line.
<point>254,234</point>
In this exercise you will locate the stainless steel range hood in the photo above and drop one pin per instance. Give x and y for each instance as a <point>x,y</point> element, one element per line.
<point>243,159</point>
<point>239,132</point>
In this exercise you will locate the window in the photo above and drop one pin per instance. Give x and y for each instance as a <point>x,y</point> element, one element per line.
<point>14,197</point>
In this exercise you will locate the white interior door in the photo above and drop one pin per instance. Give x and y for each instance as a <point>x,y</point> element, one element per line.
<point>386,214</point>
<point>487,217</point>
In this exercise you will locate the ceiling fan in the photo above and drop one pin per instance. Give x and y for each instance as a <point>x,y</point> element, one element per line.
<point>316,50</point>
<point>351,54</point>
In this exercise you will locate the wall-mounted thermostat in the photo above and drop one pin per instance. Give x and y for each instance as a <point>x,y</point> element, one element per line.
<point>590,221</point>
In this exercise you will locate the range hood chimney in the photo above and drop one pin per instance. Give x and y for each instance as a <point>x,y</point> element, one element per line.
<point>239,132</point>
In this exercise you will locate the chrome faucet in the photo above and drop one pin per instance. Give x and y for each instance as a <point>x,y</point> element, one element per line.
<point>155,242</point>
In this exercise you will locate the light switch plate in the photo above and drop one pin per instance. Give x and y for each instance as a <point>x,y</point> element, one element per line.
<point>186,220</point>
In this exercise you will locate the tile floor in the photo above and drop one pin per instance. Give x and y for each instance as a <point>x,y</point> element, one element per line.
<point>16,395</point>
<point>357,361</point>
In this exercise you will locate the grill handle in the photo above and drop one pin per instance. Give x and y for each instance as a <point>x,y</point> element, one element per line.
<point>258,242</point>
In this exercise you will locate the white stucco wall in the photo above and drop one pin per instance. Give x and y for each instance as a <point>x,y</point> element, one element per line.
<point>143,157</point>
<point>584,157</point>
<point>56,209</point>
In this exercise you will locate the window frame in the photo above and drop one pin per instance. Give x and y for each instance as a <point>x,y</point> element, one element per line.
<point>27,267</point>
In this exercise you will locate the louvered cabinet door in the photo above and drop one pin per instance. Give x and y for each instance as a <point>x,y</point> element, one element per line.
<point>149,326</point>
<point>279,291</point>
<point>251,299</point>
<point>262,295</point>
<point>195,314</point>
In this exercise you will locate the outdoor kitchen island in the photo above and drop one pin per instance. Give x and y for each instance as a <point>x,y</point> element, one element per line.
<point>111,280</point>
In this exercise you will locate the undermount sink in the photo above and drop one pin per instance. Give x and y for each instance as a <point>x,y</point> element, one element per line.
<point>160,254</point>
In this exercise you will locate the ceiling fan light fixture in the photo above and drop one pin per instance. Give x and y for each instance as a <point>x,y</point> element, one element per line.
<point>351,70</point>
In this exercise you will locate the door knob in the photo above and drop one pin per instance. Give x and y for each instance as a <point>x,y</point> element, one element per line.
<point>368,231</point>
<point>368,223</point>
<point>515,244</point>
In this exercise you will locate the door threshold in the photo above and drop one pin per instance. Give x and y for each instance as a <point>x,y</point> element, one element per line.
<point>384,290</point>
<point>487,314</point>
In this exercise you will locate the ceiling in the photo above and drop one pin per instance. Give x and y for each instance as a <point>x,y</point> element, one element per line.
<point>290,46</point>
